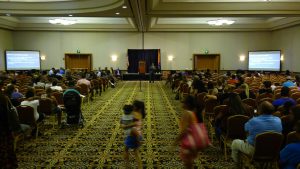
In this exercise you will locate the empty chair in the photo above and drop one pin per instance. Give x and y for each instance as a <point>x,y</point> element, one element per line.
<point>266,151</point>
<point>235,130</point>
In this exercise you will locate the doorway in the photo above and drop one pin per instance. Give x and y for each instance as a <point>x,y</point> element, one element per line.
<point>78,62</point>
<point>207,61</point>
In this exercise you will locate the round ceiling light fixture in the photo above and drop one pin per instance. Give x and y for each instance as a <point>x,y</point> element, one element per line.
<point>61,21</point>
<point>220,22</point>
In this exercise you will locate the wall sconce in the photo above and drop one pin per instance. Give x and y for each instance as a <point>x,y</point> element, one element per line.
<point>242,58</point>
<point>43,57</point>
<point>170,57</point>
<point>114,58</point>
<point>282,57</point>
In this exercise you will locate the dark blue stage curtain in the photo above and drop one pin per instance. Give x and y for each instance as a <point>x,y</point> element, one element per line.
<point>148,55</point>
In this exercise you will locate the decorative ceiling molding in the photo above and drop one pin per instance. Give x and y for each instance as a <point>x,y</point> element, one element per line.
<point>150,15</point>
<point>55,8</point>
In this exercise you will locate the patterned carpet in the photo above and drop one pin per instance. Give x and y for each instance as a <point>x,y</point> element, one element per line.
<point>100,143</point>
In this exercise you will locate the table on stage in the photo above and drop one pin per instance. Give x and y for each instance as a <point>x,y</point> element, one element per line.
<point>137,76</point>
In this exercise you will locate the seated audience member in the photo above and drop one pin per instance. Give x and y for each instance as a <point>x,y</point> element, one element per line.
<point>51,72</point>
<point>236,107</point>
<point>228,89</point>
<point>265,122</point>
<point>288,82</point>
<point>240,81</point>
<point>55,87</point>
<point>266,88</point>
<point>284,98</point>
<point>246,93</point>
<point>290,155</point>
<point>293,117</point>
<point>61,71</point>
<point>13,95</point>
<point>233,80</point>
<point>220,86</point>
<point>32,101</point>
<point>211,89</point>
<point>83,80</point>
<point>198,86</point>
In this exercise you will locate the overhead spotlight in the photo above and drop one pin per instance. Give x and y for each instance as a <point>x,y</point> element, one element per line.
<point>124,6</point>
<point>70,15</point>
<point>117,13</point>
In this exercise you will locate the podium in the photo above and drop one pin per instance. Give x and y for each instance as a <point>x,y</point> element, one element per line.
<point>142,67</point>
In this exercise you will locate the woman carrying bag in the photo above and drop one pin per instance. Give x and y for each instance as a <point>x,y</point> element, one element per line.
<point>193,134</point>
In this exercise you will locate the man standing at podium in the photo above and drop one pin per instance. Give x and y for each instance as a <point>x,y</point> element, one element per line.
<point>151,73</point>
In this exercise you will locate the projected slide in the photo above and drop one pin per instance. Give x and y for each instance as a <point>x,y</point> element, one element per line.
<point>264,60</point>
<point>23,60</point>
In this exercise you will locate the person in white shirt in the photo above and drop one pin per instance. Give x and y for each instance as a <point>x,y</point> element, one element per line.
<point>32,101</point>
<point>55,87</point>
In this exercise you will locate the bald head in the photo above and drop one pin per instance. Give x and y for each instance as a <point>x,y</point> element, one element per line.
<point>266,108</point>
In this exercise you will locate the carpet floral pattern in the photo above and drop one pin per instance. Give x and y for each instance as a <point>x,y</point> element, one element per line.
<point>100,143</point>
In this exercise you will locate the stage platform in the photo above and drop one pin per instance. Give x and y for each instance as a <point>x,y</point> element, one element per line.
<point>137,76</point>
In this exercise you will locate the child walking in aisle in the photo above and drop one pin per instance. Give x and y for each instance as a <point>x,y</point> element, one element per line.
<point>132,137</point>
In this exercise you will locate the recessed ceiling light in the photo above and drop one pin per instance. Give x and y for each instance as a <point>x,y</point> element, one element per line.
<point>117,13</point>
<point>70,15</point>
<point>124,7</point>
<point>7,14</point>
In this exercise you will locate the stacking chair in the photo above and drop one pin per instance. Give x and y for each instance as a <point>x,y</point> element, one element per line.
<point>96,85</point>
<point>100,81</point>
<point>59,98</point>
<point>250,102</point>
<point>296,95</point>
<point>266,151</point>
<point>265,99</point>
<point>26,116</point>
<point>263,96</point>
<point>235,130</point>
<point>292,137</point>
<point>45,106</point>
<point>84,90</point>
<point>209,114</point>
<point>184,90</point>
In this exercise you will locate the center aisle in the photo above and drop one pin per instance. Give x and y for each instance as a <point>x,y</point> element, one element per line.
<point>100,143</point>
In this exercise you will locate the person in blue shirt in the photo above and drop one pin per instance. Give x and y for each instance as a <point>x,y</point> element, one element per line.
<point>288,82</point>
<point>290,155</point>
<point>265,122</point>
<point>284,98</point>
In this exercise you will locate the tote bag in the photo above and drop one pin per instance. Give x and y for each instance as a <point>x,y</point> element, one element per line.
<point>196,137</point>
